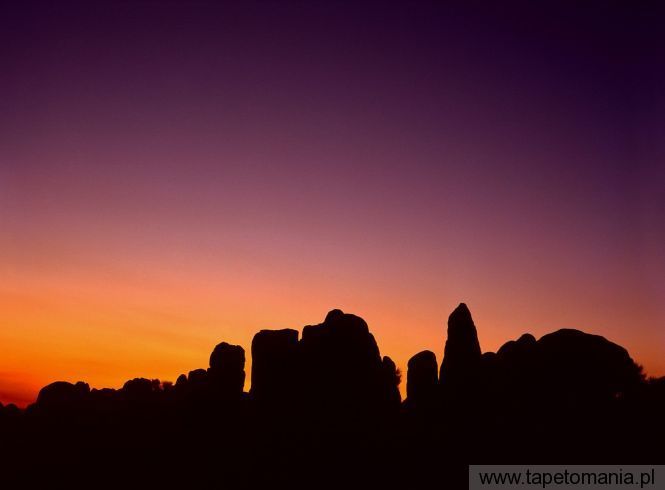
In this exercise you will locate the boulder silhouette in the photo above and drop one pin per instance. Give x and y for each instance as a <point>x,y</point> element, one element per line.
<point>341,367</point>
<point>573,365</point>
<point>197,381</point>
<point>194,388</point>
<point>62,395</point>
<point>227,370</point>
<point>517,358</point>
<point>514,349</point>
<point>461,358</point>
<point>511,374</point>
<point>181,381</point>
<point>140,390</point>
<point>564,368</point>
<point>180,388</point>
<point>422,378</point>
<point>274,365</point>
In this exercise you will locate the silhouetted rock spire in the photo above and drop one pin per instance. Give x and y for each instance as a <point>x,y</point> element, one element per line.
<point>462,352</point>
<point>422,378</point>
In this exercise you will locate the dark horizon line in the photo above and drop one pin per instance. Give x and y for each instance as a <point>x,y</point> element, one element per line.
<point>164,382</point>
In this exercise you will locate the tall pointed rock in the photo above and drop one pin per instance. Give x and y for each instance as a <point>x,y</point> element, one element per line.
<point>462,352</point>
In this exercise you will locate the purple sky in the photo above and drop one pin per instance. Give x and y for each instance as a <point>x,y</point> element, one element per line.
<point>391,160</point>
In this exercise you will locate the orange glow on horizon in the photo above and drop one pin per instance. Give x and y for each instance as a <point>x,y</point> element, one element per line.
<point>107,329</point>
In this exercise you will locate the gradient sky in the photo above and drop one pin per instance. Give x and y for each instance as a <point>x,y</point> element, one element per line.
<point>177,174</point>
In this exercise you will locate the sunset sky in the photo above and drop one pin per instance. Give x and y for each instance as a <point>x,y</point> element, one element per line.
<point>173,175</point>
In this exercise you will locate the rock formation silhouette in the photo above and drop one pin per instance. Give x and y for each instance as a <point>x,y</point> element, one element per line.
<point>328,404</point>
<point>227,370</point>
<point>422,379</point>
<point>576,365</point>
<point>275,365</point>
<point>461,358</point>
<point>342,370</point>
<point>61,396</point>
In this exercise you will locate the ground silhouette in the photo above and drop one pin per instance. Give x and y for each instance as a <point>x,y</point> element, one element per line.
<point>324,411</point>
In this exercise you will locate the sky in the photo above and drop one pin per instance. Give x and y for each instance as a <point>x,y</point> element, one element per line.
<point>177,174</point>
